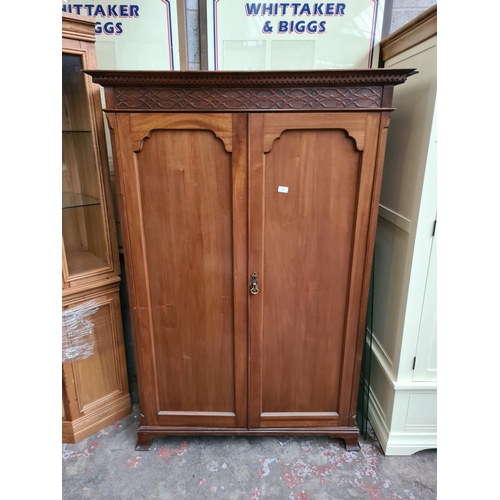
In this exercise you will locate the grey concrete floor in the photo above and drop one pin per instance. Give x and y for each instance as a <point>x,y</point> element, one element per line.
<point>106,466</point>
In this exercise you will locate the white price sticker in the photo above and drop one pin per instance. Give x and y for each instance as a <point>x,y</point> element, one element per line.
<point>282,189</point>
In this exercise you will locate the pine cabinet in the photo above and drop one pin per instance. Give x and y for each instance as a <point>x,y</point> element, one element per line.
<point>249,203</point>
<point>95,388</point>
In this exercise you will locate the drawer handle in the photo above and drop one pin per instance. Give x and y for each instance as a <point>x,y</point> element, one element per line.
<point>254,284</point>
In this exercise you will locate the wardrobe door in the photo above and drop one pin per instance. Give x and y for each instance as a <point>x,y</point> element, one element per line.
<point>311,178</point>
<point>183,195</point>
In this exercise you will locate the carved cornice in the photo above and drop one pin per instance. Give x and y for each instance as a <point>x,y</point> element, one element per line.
<point>245,79</point>
<point>184,91</point>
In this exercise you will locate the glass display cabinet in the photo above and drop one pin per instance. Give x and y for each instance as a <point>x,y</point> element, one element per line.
<point>85,238</point>
<point>89,239</point>
<point>95,388</point>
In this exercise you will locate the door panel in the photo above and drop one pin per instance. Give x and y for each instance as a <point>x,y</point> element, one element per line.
<point>185,185</point>
<point>303,224</point>
<point>306,231</point>
<point>186,201</point>
<point>426,353</point>
<point>98,375</point>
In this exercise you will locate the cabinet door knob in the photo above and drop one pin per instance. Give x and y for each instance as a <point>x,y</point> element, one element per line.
<point>254,284</point>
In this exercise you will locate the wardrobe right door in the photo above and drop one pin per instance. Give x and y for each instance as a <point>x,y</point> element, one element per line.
<point>311,179</point>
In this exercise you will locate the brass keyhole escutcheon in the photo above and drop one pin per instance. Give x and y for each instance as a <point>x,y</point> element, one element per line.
<point>254,284</point>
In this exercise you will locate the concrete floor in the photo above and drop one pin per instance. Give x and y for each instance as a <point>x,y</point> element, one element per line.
<point>106,466</point>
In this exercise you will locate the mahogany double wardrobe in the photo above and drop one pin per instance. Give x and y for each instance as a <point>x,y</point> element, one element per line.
<point>248,203</point>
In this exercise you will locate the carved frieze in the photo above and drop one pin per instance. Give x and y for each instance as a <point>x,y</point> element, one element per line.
<point>247,98</point>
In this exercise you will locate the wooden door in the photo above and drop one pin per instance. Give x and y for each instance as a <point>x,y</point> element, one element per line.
<point>94,370</point>
<point>184,179</point>
<point>311,178</point>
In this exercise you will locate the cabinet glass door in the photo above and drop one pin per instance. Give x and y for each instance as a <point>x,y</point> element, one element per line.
<point>84,236</point>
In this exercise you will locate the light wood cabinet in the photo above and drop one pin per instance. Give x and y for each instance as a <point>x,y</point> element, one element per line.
<point>403,382</point>
<point>95,387</point>
<point>248,202</point>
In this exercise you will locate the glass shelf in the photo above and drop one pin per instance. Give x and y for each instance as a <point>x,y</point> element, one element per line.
<point>75,200</point>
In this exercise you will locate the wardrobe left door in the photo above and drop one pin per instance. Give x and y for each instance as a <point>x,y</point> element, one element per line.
<point>182,183</point>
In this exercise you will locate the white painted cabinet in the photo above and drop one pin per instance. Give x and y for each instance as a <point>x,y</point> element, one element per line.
<point>403,380</point>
